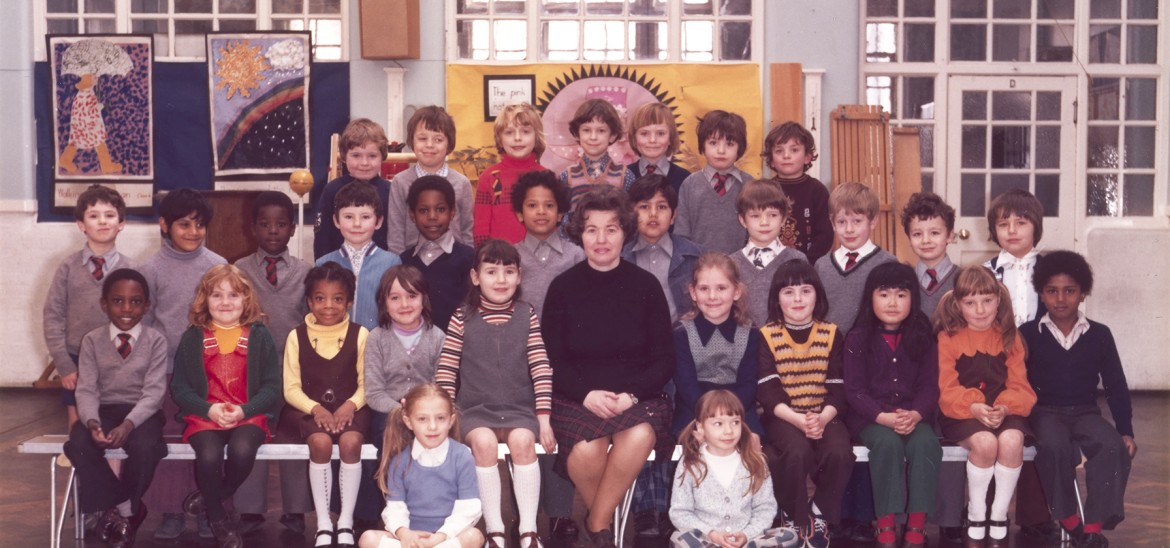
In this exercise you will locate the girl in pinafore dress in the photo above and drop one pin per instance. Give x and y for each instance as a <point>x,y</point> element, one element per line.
<point>494,363</point>
<point>227,386</point>
<point>323,380</point>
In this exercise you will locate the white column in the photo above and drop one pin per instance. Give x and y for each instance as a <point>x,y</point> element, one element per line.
<point>395,103</point>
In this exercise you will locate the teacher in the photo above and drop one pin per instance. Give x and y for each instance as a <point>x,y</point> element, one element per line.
<point>606,325</point>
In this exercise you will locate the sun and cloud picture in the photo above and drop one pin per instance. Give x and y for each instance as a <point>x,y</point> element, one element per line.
<point>259,101</point>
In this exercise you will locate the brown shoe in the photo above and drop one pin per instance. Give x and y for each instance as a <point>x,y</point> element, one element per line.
<point>106,523</point>
<point>125,530</point>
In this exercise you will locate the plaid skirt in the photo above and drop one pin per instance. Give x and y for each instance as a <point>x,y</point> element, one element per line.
<point>572,423</point>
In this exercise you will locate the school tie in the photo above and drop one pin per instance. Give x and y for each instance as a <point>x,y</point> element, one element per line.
<point>124,345</point>
<point>758,256</point>
<point>99,265</point>
<point>933,279</point>
<point>651,169</point>
<point>850,260</point>
<point>720,183</point>
<point>270,269</point>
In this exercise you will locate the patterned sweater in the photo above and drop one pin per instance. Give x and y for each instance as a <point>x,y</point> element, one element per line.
<point>494,217</point>
<point>801,368</point>
<point>973,367</point>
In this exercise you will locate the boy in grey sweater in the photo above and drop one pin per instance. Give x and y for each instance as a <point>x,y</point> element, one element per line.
<point>706,199</point>
<point>763,209</point>
<point>77,285</point>
<point>172,275</point>
<point>119,399</point>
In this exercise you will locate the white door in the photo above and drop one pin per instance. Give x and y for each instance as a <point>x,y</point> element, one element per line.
<point>1010,132</point>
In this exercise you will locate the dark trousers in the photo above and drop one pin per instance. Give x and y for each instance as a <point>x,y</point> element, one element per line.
<point>174,478</point>
<point>99,488</point>
<point>793,459</point>
<point>556,492</point>
<point>1063,434</point>
<point>217,478</point>
<point>890,455</point>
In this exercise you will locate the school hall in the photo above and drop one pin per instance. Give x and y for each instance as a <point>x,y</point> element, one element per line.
<point>1067,99</point>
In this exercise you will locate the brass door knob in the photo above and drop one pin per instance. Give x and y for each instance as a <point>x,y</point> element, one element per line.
<point>964,234</point>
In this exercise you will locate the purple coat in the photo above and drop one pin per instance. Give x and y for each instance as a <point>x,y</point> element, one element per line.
<point>880,380</point>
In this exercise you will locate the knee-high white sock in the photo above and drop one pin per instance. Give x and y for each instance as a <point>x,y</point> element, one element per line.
<point>349,478</point>
<point>526,483</point>
<point>1005,487</point>
<point>489,495</point>
<point>978,479</point>
<point>321,484</point>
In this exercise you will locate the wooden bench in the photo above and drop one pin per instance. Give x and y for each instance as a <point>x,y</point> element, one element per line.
<point>53,445</point>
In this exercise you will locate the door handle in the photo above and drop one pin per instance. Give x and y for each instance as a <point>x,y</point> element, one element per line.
<point>964,234</point>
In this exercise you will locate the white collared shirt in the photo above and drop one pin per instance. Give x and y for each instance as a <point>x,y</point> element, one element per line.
<point>1016,275</point>
<point>134,332</point>
<point>430,457</point>
<point>429,250</point>
<point>1066,341</point>
<point>862,252</point>
<point>441,172</point>
<point>356,255</point>
<point>766,257</point>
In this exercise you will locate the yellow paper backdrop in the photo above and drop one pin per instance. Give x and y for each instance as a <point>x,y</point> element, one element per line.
<point>692,89</point>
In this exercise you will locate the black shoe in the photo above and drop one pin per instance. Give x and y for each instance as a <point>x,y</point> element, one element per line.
<point>250,523</point>
<point>862,532</point>
<point>1047,532</point>
<point>106,522</point>
<point>293,522</point>
<point>1093,540</point>
<point>563,531</point>
<point>126,529</point>
<point>226,534</point>
<point>646,523</point>
<point>350,542</point>
<point>194,505</point>
<point>601,539</point>
<point>951,535</point>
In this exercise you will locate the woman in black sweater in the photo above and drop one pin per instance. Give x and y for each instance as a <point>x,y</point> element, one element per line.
<point>606,325</point>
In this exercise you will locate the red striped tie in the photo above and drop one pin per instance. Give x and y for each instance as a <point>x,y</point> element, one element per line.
<point>720,183</point>
<point>850,260</point>
<point>933,279</point>
<point>270,269</point>
<point>99,265</point>
<point>124,344</point>
<point>650,169</point>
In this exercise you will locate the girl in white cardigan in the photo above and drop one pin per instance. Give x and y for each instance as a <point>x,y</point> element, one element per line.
<point>723,494</point>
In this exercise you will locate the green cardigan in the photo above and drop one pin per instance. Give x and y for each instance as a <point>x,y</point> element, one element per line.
<point>265,383</point>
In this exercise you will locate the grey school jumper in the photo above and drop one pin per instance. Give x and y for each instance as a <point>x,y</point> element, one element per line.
<point>284,303</point>
<point>72,307</point>
<point>759,281</point>
<point>541,262</point>
<point>845,288</point>
<point>707,218</point>
<point>173,277</point>
<point>106,378</point>
<point>400,230</point>
<point>390,371</point>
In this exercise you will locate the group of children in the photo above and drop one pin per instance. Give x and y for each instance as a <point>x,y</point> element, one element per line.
<point>420,322</point>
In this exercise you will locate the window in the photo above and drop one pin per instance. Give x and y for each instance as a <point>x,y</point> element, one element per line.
<point>179,26</point>
<point>604,30</point>
<point>914,49</point>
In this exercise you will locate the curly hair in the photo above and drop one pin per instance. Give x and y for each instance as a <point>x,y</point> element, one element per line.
<point>200,313</point>
<point>789,131</point>
<point>1070,263</point>
<point>603,198</point>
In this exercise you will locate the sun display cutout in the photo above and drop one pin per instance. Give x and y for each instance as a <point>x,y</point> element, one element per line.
<point>239,67</point>
<point>622,87</point>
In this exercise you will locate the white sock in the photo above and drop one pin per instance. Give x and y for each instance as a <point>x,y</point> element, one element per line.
<point>489,495</point>
<point>978,479</point>
<point>321,483</point>
<point>348,480</point>
<point>1005,487</point>
<point>526,483</point>
<point>125,509</point>
<point>813,506</point>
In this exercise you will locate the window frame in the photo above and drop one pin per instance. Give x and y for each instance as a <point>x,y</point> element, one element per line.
<point>674,23</point>
<point>941,68</point>
<point>123,24</point>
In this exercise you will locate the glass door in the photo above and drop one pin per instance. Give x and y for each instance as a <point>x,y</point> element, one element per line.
<point>1010,132</point>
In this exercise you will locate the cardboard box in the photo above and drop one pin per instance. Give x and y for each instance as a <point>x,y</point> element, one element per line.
<point>389,29</point>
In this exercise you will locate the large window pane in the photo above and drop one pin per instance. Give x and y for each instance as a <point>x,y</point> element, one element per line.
<point>1104,43</point>
<point>974,105</point>
<point>918,8</point>
<point>99,26</point>
<point>1142,46</point>
<point>1056,9</point>
<point>1011,105</point>
<point>237,25</point>
<point>238,6</point>
<point>1103,195</point>
<point>919,42</point>
<point>1139,195</point>
<point>1104,98</point>
<point>153,6</point>
<point>324,6</point>
<point>1012,9</point>
<point>604,41</point>
<point>1047,147</point>
<point>1103,150</point>
<point>1105,9</point>
<point>509,7</point>
<point>648,41</point>
<point>880,42</point>
<point>879,90</point>
<point>1143,9</point>
<point>735,40</point>
<point>1011,43</point>
<point>974,146</point>
<point>972,195</point>
<point>1054,43</point>
<point>1048,105</point>
<point>1010,148</point>
<point>1141,98</point>
<point>917,98</point>
<point>561,40</point>
<point>968,42</point>
<point>969,9</point>
<point>473,39</point>
<point>1139,147</point>
<point>1003,182</point>
<point>697,39</point>
<point>1048,193</point>
<point>511,40</point>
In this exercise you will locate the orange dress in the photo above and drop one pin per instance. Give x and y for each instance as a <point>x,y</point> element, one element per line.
<point>227,382</point>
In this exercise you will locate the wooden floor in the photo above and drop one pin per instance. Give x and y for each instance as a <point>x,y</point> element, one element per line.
<point>24,480</point>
